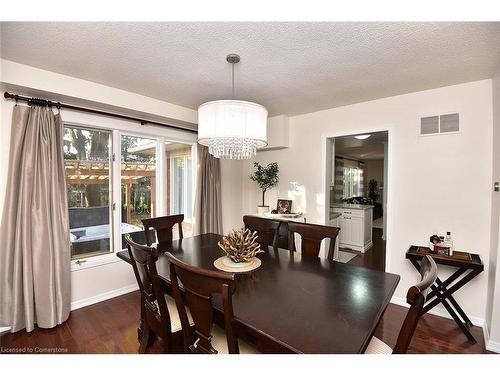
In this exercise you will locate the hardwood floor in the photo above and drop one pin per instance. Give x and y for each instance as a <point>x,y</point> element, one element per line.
<point>111,327</point>
<point>374,258</point>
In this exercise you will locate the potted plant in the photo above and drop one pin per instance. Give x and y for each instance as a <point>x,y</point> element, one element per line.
<point>373,190</point>
<point>267,178</point>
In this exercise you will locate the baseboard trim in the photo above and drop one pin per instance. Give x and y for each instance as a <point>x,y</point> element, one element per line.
<point>438,311</point>
<point>4,329</point>
<point>103,296</point>
<point>493,346</point>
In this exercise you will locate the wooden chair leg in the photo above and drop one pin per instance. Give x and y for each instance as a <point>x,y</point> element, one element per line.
<point>145,338</point>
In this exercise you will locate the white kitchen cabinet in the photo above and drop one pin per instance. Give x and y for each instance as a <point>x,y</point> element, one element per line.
<point>355,225</point>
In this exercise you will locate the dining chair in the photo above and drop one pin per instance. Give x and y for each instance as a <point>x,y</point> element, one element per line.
<point>312,235</point>
<point>199,286</point>
<point>159,315</point>
<point>415,297</point>
<point>267,230</point>
<point>163,226</point>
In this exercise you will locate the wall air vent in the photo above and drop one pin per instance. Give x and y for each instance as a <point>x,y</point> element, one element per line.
<point>449,123</point>
<point>429,125</point>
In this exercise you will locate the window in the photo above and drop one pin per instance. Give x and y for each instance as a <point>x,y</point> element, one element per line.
<point>353,182</point>
<point>180,187</point>
<point>138,183</point>
<point>108,195</point>
<point>87,160</point>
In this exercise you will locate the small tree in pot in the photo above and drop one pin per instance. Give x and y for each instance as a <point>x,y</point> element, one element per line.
<point>267,178</point>
<point>373,190</point>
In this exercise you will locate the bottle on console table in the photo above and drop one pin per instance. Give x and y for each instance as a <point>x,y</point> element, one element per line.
<point>449,243</point>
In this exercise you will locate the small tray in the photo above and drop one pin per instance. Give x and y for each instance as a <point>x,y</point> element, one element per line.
<point>223,264</point>
<point>458,255</point>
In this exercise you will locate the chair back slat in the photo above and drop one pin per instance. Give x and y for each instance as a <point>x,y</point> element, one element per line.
<point>199,287</point>
<point>153,304</point>
<point>267,230</point>
<point>416,298</point>
<point>312,235</point>
<point>163,226</point>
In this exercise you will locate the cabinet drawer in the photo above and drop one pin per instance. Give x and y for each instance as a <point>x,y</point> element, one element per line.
<point>348,212</point>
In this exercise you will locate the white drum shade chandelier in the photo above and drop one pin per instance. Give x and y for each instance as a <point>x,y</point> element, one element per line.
<point>232,129</point>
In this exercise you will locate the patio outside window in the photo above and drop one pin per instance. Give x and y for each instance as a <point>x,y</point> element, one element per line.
<point>87,160</point>
<point>142,190</point>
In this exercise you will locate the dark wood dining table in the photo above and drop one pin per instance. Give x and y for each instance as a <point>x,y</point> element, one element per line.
<point>294,304</point>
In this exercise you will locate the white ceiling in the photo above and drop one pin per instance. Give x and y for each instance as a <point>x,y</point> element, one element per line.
<point>371,148</point>
<point>290,68</point>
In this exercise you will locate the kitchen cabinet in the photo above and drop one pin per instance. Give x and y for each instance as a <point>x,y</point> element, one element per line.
<point>355,222</point>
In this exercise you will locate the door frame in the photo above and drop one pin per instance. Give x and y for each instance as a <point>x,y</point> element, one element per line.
<point>388,185</point>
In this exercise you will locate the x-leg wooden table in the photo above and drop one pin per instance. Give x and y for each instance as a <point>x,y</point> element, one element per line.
<point>468,267</point>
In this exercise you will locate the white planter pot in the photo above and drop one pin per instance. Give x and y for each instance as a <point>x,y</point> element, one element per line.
<point>261,210</point>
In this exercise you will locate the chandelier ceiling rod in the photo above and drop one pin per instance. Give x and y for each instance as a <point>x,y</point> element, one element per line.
<point>232,59</point>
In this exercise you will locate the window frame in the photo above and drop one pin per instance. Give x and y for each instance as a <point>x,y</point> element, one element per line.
<point>184,185</point>
<point>117,129</point>
<point>112,236</point>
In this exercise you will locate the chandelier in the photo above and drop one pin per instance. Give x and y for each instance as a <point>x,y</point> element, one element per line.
<point>232,129</point>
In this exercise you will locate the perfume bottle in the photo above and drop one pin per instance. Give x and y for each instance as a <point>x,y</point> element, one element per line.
<point>449,243</point>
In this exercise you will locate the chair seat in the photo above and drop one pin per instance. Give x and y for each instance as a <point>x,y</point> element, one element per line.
<point>219,342</point>
<point>377,346</point>
<point>175,321</point>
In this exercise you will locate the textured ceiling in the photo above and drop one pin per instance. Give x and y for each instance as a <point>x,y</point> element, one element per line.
<point>362,149</point>
<point>290,68</point>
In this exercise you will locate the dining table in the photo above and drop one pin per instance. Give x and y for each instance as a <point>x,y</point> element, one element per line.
<point>292,303</point>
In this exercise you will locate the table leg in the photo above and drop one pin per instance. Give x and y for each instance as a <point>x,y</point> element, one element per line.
<point>445,291</point>
<point>448,281</point>
<point>456,318</point>
<point>441,294</point>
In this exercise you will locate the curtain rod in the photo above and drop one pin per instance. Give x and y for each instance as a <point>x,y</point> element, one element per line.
<point>58,105</point>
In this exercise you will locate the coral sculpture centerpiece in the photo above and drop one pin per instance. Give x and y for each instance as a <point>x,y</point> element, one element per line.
<point>240,245</point>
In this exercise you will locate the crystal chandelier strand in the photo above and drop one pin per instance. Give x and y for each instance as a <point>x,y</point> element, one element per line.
<point>232,148</point>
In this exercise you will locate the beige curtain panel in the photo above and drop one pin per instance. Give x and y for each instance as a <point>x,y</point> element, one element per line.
<point>35,253</point>
<point>207,203</point>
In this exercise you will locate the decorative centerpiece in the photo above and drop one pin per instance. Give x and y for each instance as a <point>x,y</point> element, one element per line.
<point>267,178</point>
<point>240,247</point>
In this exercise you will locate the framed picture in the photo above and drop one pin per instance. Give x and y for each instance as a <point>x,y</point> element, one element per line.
<point>284,206</point>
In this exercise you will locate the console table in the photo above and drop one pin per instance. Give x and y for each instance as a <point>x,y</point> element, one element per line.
<point>468,266</point>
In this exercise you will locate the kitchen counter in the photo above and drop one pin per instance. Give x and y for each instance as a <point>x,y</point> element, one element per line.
<point>352,206</point>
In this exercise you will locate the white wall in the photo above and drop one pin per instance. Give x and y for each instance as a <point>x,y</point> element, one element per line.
<point>107,276</point>
<point>435,183</point>
<point>493,307</point>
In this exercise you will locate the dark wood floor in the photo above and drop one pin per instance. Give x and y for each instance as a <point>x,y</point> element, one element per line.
<point>111,327</point>
<point>373,258</point>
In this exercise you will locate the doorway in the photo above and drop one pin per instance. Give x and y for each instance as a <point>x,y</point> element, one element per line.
<point>357,196</point>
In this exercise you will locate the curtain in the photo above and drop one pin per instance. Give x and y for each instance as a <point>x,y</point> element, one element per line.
<point>338,187</point>
<point>207,203</point>
<point>35,252</point>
